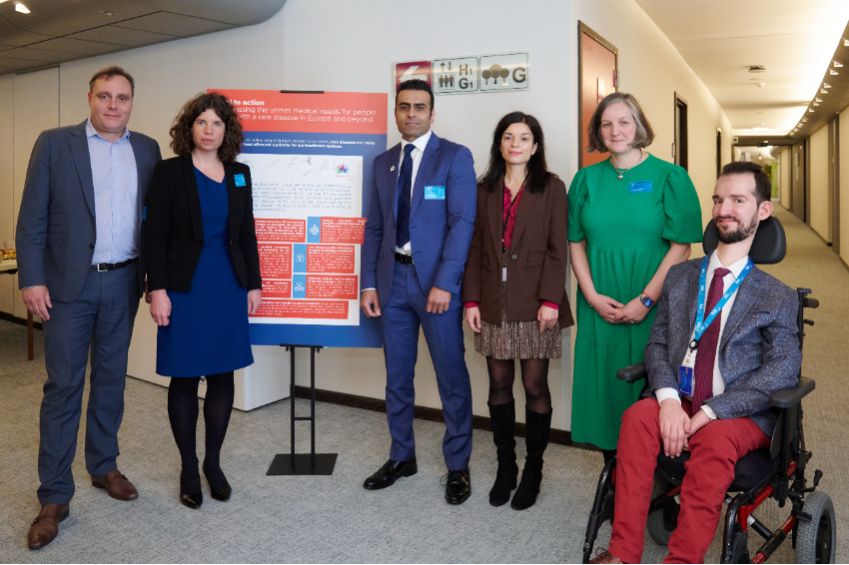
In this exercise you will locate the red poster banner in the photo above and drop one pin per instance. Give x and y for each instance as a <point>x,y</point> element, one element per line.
<point>275,260</point>
<point>330,286</point>
<point>312,309</point>
<point>276,288</point>
<point>330,259</point>
<point>274,229</point>
<point>342,230</point>
<point>331,112</point>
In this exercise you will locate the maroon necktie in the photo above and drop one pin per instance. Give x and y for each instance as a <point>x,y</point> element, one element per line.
<point>706,353</point>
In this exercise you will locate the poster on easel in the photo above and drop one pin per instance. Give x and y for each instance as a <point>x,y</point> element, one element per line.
<point>311,158</point>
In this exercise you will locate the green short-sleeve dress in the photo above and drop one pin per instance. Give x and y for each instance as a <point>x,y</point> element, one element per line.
<point>627,224</point>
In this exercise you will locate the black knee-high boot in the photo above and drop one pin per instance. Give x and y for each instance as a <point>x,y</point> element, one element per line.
<point>503,418</point>
<point>538,427</point>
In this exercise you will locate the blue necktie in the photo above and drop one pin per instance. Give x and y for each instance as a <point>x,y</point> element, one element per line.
<point>405,182</point>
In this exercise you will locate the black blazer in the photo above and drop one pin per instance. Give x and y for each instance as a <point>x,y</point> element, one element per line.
<point>173,230</point>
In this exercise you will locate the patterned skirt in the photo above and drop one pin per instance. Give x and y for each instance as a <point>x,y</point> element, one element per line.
<point>517,340</point>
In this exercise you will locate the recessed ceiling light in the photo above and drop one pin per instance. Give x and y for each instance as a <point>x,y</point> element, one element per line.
<point>837,64</point>
<point>823,91</point>
<point>846,43</point>
<point>816,104</point>
<point>20,8</point>
<point>109,13</point>
<point>826,85</point>
<point>832,72</point>
<point>811,110</point>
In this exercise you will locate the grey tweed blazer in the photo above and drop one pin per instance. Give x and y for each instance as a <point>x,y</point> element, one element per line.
<point>759,351</point>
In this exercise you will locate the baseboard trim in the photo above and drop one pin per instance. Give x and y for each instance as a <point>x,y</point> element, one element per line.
<point>560,437</point>
<point>20,321</point>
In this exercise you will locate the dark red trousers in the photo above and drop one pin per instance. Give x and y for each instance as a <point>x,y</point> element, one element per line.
<point>714,449</point>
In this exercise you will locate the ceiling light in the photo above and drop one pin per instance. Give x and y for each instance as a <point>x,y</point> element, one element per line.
<point>832,72</point>
<point>811,110</point>
<point>823,91</point>
<point>109,13</point>
<point>816,104</point>
<point>826,85</point>
<point>846,43</point>
<point>837,64</point>
<point>817,99</point>
<point>20,8</point>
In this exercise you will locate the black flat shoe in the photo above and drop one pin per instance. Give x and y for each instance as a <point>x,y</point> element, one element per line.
<point>458,487</point>
<point>391,472</point>
<point>190,493</point>
<point>219,488</point>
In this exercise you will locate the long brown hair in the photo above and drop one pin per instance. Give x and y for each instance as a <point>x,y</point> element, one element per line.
<point>182,141</point>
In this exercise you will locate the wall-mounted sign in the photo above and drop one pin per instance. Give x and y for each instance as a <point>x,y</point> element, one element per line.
<point>485,73</point>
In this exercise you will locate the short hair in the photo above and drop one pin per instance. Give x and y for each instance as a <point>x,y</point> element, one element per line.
<point>642,138</point>
<point>415,84</point>
<point>763,187</point>
<point>182,141</point>
<point>109,72</point>
<point>537,169</point>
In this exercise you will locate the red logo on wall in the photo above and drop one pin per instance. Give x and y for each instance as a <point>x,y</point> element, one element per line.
<point>411,70</point>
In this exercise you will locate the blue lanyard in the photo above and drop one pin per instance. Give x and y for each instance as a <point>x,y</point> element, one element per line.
<point>702,323</point>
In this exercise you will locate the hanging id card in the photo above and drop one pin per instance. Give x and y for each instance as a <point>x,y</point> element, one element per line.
<point>503,274</point>
<point>685,373</point>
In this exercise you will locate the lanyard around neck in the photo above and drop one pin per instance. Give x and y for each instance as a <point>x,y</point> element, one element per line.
<point>703,323</point>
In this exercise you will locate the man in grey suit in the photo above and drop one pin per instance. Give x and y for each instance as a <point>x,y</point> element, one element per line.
<point>78,249</point>
<point>714,358</point>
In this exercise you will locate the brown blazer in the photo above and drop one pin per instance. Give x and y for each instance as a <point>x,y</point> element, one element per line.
<point>536,262</point>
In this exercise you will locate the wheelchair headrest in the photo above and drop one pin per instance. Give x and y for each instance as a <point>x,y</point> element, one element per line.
<point>770,245</point>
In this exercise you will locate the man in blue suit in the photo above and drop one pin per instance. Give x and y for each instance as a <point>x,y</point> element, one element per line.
<point>420,218</point>
<point>78,248</point>
<point>714,358</point>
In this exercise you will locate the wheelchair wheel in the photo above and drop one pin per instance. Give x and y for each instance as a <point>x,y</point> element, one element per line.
<point>662,522</point>
<point>816,538</point>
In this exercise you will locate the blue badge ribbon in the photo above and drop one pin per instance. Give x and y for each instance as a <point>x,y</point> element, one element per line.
<point>702,323</point>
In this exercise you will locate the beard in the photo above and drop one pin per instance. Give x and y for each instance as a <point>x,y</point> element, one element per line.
<point>739,234</point>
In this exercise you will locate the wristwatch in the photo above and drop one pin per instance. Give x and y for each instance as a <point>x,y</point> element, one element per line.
<point>646,300</point>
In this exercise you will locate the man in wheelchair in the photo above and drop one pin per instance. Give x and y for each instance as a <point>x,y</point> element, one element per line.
<point>724,340</point>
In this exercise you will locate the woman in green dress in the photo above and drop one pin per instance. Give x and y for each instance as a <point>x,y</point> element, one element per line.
<point>631,217</point>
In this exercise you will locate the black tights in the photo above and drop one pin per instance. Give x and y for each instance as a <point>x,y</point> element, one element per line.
<point>534,379</point>
<point>183,414</point>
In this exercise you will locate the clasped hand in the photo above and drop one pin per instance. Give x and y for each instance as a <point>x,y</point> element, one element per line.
<point>676,427</point>
<point>614,312</point>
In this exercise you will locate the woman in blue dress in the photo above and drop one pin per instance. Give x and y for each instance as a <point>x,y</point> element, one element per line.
<point>203,277</point>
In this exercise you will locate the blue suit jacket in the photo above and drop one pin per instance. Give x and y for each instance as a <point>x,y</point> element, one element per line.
<point>440,228</point>
<point>56,227</point>
<point>758,351</point>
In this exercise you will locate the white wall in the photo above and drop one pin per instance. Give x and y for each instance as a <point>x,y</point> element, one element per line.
<point>337,45</point>
<point>7,197</point>
<point>820,212</point>
<point>843,185</point>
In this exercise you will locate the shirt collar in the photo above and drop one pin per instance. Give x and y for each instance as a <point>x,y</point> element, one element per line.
<point>736,267</point>
<point>419,143</point>
<point>91,132</point>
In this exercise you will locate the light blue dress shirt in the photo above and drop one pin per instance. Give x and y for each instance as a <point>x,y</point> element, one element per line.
<point>115,176</point>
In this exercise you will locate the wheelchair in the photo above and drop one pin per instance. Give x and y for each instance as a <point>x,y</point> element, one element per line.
<point>774,473</point>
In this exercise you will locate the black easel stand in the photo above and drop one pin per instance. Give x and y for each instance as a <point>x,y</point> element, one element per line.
<point>311,463</point>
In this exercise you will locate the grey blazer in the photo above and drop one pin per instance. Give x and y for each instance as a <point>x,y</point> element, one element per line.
<point>758,352</point>
<point>56,227</point>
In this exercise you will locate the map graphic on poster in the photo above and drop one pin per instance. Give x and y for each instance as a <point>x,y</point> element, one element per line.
<point>310,157</point>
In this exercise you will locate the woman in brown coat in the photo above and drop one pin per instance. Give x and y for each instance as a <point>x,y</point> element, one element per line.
<point>514,294</point>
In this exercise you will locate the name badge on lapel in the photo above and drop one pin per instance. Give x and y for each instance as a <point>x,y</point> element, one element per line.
<point>434,193</point>
<point>239,180</point>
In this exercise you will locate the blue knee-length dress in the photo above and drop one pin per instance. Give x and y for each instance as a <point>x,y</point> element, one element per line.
<point>208,332</point>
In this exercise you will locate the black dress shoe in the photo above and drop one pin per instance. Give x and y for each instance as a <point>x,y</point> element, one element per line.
<point>219,488</point>
<point>391,472</point>
<point>458,487</point>
<point>190,493</point>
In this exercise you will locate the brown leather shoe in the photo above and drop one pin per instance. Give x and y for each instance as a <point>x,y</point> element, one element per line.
<point>605,557</point>
<point>46,525</point>
<point>117,485</point>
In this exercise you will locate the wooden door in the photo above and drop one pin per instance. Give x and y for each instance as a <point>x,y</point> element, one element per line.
<point>597,77</point>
